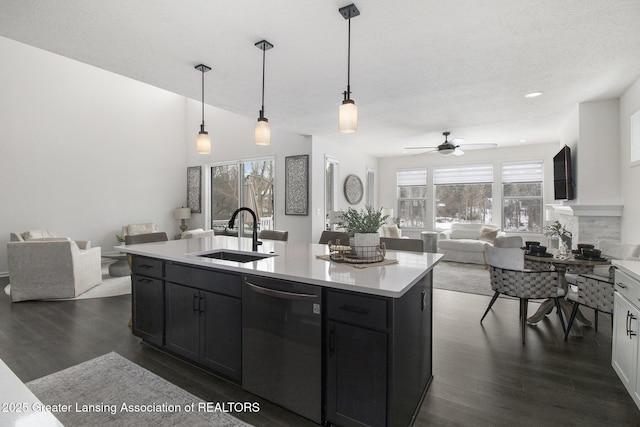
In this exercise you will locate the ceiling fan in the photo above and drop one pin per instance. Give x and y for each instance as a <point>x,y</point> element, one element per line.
<point>454,146</point>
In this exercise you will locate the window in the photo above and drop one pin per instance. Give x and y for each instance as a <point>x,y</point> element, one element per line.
<point>331,176</point>
<point>463,194</point>
<point>412,198</point>
<point>244,183</point>
<point>522,197</point>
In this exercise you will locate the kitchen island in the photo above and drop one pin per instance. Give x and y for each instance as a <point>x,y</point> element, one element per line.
<point>331,342</point>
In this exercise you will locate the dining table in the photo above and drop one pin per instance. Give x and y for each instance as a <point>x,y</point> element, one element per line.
<point>561,264</point>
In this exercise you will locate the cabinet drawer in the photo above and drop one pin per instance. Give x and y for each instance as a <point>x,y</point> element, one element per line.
<point>149,267</point>
<point>209,280</point>
<point>628,287</point>
<point>358,310</point>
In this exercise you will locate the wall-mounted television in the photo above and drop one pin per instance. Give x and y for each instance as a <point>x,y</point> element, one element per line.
<point>563,187</point>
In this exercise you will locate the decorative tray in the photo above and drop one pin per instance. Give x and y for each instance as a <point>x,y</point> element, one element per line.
<point>357,254</point>
<point>544,255</point>
<point>585,258</point>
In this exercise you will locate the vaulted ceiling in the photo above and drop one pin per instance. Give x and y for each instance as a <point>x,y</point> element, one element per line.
<point>417,67</point>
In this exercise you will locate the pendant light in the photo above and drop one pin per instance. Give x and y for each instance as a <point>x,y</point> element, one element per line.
<point>262,135</point>
<point>348,112</point>
<point>203,141</point>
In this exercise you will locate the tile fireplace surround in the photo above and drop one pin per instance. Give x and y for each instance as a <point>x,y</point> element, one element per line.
<point>588,223</point>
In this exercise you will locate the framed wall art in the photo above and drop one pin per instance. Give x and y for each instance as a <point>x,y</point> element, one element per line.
<point>353,189</point>
<point>296,185</point>
<point>194,180</point>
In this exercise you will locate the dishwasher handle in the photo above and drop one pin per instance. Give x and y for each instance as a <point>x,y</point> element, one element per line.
<point>281,294</point>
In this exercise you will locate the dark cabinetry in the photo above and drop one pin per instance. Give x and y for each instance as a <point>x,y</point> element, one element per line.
<point>378,356</point>
<point>203,317</point>
<point>147,293</point>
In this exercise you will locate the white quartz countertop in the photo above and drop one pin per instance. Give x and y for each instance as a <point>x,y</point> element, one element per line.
<point>632,268</point>
<point>297,262</point>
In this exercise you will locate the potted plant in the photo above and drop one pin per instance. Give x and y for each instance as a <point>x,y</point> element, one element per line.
<point>557,230</point>
<point>363,225</point>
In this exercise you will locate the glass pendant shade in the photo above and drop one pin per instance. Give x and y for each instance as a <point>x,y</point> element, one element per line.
<point>348,117</point>
<point>262,134</point>
<point>203,142</point>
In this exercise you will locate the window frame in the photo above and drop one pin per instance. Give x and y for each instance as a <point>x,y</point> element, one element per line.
<point>526,178</point>
<point>424,199</point>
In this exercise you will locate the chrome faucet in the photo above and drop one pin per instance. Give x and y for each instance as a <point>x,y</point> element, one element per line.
<point>256,242</point>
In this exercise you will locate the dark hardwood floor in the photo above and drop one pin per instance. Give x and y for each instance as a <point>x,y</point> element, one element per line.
<point>483,376</point>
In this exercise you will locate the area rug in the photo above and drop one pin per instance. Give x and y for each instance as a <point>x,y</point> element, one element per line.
<point>460,277</point>
<point>109,287</point>
<point>111,390</point>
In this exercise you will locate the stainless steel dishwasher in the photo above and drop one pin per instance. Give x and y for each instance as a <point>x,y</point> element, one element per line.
<point>282,344</point>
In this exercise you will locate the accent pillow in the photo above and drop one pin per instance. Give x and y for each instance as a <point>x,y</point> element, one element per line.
<point>465,231</point>
<point>488,234</point>
<point>51,239</point>
<point>391,231</point>
<point>38,234</point>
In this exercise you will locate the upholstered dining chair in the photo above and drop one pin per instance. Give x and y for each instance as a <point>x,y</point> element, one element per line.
<point>595,292</point>
<point>508,242</point>
<point>274,235</point>
<point>509,277</point>
<point>410,245</point>
<point>331,236</point>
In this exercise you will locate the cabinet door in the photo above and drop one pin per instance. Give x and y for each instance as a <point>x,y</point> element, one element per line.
<point>624,357</point>
<point>356,376</point>
<point>182,316</point>
<point>221,333</point>
<point>147,309</point>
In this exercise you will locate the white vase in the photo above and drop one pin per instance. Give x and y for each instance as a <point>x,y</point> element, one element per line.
<point>365,244</point>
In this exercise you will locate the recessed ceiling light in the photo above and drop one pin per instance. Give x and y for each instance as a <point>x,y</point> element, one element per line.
<point>523,140</point>
<point>533,94</point>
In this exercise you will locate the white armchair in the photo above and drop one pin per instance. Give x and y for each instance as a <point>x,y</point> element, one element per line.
<point>53,267</point>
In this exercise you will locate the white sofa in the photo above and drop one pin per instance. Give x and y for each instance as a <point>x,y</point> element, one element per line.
<point>466,242</point>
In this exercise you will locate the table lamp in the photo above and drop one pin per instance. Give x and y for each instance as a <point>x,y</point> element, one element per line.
<point>182,214</point>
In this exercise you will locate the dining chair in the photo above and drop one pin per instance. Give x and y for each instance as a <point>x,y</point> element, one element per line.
<point>595,292</point>
<point>509,277</point>
<point>410,245</point>
<point>274,235</point>
<point>508,242</point>
<point>331,236</point>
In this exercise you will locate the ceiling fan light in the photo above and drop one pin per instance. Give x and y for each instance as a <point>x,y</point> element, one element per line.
<point>348,116</point>
<point>262,133</point>
<point>203,142</point>
<point>446,151</point>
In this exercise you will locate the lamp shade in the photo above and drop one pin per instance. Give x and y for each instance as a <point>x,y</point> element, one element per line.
<point>182,213</point>
<point>262,132</point>
<point>203,143</point>
<point>348,117</point>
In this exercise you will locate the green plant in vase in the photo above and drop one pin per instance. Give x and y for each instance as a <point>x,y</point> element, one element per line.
<point>363,225</point>
<point>557,230</point>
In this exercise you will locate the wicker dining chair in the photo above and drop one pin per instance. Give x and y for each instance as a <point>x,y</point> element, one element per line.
<point>509,277</point>
<point>595,292</point>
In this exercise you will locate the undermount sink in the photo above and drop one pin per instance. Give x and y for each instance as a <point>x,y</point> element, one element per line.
<point>236,256</point>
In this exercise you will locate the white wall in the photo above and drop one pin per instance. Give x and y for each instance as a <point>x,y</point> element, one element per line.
<point>351,161</point>
<point>597,151</point>
<point>629,176</point>
<point>84,151</point>
<point>389,166</point>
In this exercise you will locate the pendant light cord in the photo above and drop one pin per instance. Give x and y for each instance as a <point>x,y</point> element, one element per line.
<point>349,62</point>
<point>264,52</point>
<point>203,98</point>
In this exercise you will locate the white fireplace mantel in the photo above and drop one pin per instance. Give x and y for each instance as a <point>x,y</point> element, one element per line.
<point>588,210</point>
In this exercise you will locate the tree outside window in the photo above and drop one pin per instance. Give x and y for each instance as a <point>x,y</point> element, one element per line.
<point>463,194</point>
<point>522,197</point>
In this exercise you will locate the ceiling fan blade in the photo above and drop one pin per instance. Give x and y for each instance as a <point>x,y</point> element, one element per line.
<point>419,148</point>
<point>458,152</point>
<point>478,146</point>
